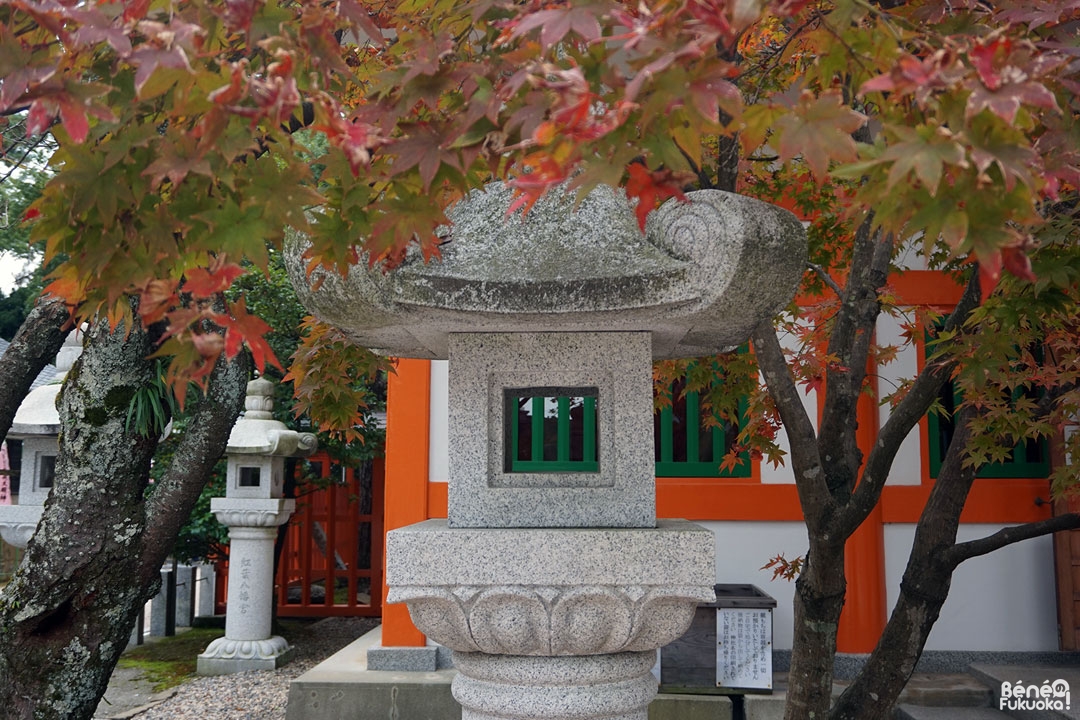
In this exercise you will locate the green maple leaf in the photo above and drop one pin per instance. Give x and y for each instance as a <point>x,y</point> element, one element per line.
<point>818,129</point>
<point>925,151</point>
<point>175,161</point>
<point>238,232</point>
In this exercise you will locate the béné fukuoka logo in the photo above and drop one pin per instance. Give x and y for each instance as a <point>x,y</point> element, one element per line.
<point>1051,695</point>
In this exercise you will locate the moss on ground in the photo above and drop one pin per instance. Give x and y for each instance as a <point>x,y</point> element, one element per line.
<point>170,661</point>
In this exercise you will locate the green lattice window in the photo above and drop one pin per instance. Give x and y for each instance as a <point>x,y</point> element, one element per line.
<point>687,446</point>
<point>552,430</point>
<point>1029,459</point>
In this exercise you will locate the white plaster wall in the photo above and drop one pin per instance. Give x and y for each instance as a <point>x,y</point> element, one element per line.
<point>1002,601</point>
<point>742,548</point>
<point>907,468</point>
<point>783,474</point>
<point>438,423</point>
<point>910,257</point>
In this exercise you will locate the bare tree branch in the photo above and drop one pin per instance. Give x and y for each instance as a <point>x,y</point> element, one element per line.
<point>34,346</point>
<point>210,420</point>
<point>809,473</point>
<point>904,417</point>
<point>1007,536</point>
<point>849,344</point>
<point>826,278</point>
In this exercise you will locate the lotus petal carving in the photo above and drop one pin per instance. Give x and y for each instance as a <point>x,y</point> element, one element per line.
<point>547,620</point>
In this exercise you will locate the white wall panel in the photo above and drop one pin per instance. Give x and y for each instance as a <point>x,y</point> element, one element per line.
<point>907,468</point>
<point>1002,601</point>
<point>438,423</point>
<point>742,548</point>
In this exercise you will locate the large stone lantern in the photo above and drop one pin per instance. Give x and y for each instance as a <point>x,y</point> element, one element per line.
<point>253,508</point>
<point>551,579</point>
<point>37,425</point>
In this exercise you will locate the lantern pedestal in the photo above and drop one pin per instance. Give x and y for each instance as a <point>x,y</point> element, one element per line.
<point>559,624</point>
<point>18,523</point>
<point>248,644</point>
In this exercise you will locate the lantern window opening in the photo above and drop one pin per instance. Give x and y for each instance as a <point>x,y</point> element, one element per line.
<point>551,430</point>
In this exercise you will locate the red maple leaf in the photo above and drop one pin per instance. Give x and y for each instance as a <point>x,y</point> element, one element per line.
<point>530,187</point>
<point>206,282</point>
<point>651,188</point>
<point>242,327</point>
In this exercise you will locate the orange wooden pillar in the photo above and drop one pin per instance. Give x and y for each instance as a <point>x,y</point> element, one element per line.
<point>865,606</point>
<point>407,429</point>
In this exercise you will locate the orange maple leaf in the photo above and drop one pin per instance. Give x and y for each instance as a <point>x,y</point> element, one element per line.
<point>651,188</point>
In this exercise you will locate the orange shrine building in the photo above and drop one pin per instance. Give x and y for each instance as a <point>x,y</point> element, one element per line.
<point>1011,600</point>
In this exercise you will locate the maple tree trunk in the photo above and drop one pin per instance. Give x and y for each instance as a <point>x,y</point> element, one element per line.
<point>819,598</point>
<point>68,613</point>
<point>934,557</point>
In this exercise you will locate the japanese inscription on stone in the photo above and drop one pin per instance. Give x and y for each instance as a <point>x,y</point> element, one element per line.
<point>744,648</point>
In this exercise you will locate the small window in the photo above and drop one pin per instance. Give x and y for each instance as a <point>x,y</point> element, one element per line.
<point>46,471</point>
<point>551,430</point>
<point>249,477</point>
<point>1029,459</point>
<point>686,445</point>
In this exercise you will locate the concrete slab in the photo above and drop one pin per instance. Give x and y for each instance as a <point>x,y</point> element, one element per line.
<point>690,707</point>
<point>938,690</point>
<point>764,707</point>
<point>1060,681</point>
<point>128,695</point>
<point>342,686</point>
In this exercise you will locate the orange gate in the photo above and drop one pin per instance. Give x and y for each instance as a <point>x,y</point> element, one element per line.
<point>332,559</point>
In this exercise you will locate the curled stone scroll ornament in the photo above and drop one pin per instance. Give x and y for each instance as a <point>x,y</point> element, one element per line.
<point>551,620</point>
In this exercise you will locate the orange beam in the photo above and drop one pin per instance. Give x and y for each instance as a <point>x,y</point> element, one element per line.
<point>865,606</point>
<point>408,401</point>
<point>991,500</point>
<point>703,499</point>
<point>925,287</point>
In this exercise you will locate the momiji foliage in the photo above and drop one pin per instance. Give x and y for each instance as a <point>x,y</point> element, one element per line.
<point>179,154</point>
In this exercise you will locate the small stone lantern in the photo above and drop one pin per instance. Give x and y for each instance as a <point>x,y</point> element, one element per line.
<point>253,508</point>
<point>37,424</point>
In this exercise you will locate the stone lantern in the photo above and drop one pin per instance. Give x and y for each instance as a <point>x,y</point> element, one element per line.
<point>552,580</point>
<point>253,508</point>
<point>37,424</point>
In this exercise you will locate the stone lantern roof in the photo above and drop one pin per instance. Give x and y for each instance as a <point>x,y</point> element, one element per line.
<point>37,414</point>
<point>698,279</point>
<point>256,432</point>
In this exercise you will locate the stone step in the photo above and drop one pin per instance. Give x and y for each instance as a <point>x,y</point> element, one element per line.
<point>1065,678</point>
<point>922,712</point>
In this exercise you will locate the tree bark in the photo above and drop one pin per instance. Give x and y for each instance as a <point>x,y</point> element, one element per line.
<point>821,586</point>
<point>819,598</point>
<point>67,614</point>
<point>32,348</point>
<point>934,557</point>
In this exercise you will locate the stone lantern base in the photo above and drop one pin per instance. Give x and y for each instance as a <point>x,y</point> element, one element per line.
<point>552,624</point>
<point>224,656</point>
<point>18,523</point>
<point>616,686</point>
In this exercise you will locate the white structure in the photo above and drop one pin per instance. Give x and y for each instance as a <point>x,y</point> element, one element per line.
<point>253,509</point>
<point>37,424</point>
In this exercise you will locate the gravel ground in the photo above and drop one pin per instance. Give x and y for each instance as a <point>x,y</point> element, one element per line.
<point>259,695</point>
